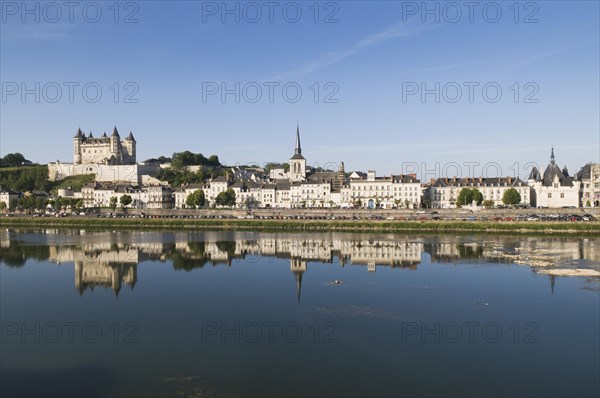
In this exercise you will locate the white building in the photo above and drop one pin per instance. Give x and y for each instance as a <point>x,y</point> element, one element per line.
<point>154,197</point>
<point>443,192</point>
<point>6,195</point>
<point>396,191</point>
<point>589,189</point>
<point>553,188</point>
<point>104,150</point>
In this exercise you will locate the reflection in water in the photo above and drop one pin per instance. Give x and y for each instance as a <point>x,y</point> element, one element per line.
<point>220,313</point>
<point>110,259</point>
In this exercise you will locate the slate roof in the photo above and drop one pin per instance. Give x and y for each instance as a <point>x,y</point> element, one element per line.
<point>553,172</point>
<point>483,182</point>
<point>585,173</point>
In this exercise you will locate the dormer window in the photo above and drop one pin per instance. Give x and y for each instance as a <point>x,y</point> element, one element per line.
<point>555,185</point>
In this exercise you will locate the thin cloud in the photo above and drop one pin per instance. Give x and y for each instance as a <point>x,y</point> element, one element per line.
<point>40,31</point>
<point>398,30</point>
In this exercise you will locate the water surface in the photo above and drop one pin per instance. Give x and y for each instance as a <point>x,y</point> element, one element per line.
<point>133,314</point>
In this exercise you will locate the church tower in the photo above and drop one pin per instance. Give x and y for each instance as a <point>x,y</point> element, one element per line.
<point>297,162</point>
<point>298,267</point>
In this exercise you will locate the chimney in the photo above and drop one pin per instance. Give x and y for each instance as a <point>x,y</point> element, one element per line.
<point>454,179</point>
<point>413,175</point>
<point>467,180</point>
<point>446,180</point>
<point>432,181</point>
<point>480,179</point>
<point>510,180</point>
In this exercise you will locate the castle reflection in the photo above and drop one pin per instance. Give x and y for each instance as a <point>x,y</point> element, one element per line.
<point>110,259</point>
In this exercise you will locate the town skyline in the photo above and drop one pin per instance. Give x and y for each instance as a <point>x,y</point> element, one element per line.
<point>364,76</point>
<point>459,168</point>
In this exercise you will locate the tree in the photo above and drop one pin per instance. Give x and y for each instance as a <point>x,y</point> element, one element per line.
<point>488,203</point>
<point>12,204</point>
<point>477,196</point>
<point>251,202</point>
<point>213,160</point>
<point>12,160</point>
<point>2,206</point>
<point>466,196</point>
<point>226,198</point>
<point>58,204</point>
<point>125,201</point>
<point>196,199</point>
<point>40,203</point>
<point>511,197</point>
<point>113,203</point>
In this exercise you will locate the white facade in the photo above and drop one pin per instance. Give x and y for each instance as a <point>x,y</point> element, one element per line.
<point>590,185</point>
<point>104,150</point>
<point>7,196</point>
<point>443,192</point>
<point>554,188</point>
<point>155,197</point>
<point>403,191</point>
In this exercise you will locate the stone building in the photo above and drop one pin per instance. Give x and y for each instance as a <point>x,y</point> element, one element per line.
<point>589,189</point>
<point>553,188</point>
<point>103,150</point>
<point>443,192</point>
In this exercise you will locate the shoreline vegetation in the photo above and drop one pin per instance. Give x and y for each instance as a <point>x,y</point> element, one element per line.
<point>437,226</point>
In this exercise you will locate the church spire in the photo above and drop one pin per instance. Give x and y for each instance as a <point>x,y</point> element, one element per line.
<point>552,156</point>
<point>298,150</point>
<point>298,285</point>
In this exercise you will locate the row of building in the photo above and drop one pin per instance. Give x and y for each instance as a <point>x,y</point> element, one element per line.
<point>107,259</point>
<point>299,186</point>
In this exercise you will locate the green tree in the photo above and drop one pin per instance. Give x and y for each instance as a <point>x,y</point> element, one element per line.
<point>12,160</point>
<point>251,202</point>
<point>226,198</point>
<point>465,197</point>
<point>113,203</point>
<point>196,199</point>
<point>12,204</point>
<point>2,206</point>
<point>488,203</point>
<point>58,204</point>
<point>125,201</point>
<point>477,196</point>
<point>213,160</point>
<point>511,197</point>
<point>40,203</point>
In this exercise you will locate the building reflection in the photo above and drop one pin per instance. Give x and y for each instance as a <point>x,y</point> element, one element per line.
<point>110,260</point>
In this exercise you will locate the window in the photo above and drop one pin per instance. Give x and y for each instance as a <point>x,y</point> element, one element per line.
<point>549,195</point>
<point>562,195</point>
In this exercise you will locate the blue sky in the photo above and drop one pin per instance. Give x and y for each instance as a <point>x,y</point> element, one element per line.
<point>363,65</point>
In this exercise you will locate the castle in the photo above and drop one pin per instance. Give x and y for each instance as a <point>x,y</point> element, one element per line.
<point>110,159</point>
<point>104,150</point>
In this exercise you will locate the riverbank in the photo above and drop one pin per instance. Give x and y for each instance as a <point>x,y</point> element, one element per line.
<point>521,227</point>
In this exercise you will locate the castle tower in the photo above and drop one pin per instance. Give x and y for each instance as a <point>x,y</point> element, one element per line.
<point>115,146</point>
<point>297,162</point>
<point>130,148</point>
<point>77,146</point>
